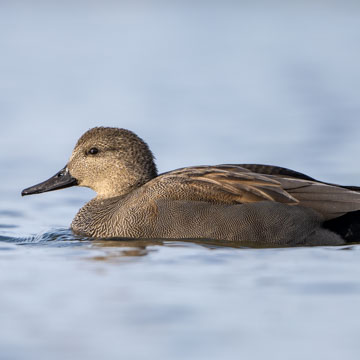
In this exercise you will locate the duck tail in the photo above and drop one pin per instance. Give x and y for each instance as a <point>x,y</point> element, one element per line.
<point>347,226</point>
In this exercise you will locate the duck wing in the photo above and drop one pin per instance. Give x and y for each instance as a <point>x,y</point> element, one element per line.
<point>276,170</point>
<point>233,183</point>
<point>285,172</point>
<point>329,200</point>
<point>227,184</point>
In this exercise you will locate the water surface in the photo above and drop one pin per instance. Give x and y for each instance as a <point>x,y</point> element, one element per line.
<point>205,83</point>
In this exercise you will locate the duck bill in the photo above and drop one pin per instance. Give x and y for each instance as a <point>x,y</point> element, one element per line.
<point>60,180</point>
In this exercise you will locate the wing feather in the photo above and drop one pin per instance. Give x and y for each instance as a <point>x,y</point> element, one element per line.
<point>231,184</point>
<point>330,200</point>
<point>223,184</point>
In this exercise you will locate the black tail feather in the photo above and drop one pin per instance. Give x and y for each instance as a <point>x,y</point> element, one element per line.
<point>347,226</point>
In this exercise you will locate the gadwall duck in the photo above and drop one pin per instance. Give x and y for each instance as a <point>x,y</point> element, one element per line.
<point>257,205</point>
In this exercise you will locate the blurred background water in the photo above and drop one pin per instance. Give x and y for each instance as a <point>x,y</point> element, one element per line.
<point>203,82</point>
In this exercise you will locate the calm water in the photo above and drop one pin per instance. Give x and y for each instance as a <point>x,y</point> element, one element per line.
<point>215,82</point>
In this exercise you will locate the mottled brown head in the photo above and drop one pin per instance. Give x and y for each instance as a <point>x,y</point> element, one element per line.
<point>111,161</point>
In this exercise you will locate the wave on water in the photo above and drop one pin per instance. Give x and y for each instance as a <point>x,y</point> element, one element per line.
<point>55,235</point>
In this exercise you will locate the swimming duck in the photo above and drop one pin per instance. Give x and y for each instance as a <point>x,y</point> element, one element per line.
<point>258,205</point>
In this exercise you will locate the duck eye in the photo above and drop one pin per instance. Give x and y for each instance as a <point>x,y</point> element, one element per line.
<point>93,151</point>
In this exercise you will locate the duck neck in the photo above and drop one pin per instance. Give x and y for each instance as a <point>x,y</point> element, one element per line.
<point>127,181</point>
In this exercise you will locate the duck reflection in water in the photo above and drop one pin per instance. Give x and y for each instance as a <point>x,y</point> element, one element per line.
<point>116,249</point>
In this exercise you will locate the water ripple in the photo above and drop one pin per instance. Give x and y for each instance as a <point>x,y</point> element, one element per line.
<point>11,213</point>
<point>8,226</point>
<point>56,235</point>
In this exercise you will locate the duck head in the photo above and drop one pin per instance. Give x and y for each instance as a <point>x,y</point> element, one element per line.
<point>110,161</point>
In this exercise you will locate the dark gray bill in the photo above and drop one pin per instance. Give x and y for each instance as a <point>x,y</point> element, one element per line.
<point>61,180</point>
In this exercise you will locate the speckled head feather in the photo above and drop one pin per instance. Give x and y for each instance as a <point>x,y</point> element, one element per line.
<point>111,161</point>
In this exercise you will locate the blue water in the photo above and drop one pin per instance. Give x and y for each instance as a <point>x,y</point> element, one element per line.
<point>212,82</point>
